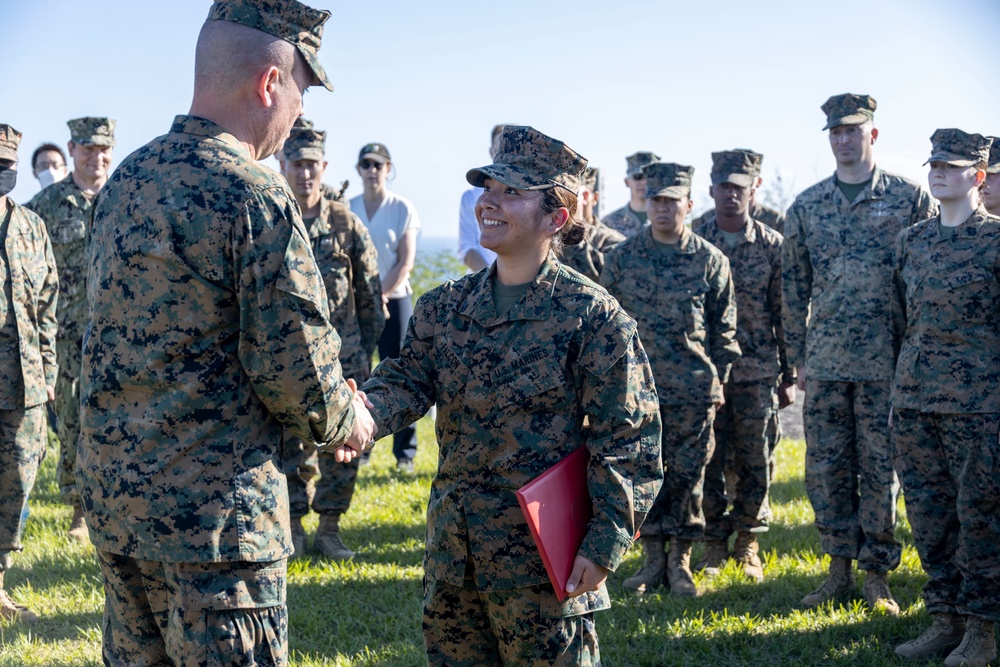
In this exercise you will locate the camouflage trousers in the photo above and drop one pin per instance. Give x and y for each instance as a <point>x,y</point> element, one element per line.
<point>849,471</point>
<point>950,468</point>
<point>22,448</point>
<point>686,448</point>
<point>466,627</point>
<point>67,406</point>
<point>744,429</point>
<point>193,614</point>
<point>334,489</point>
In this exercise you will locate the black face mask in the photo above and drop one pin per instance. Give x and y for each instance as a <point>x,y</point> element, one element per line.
<point>8,179</point>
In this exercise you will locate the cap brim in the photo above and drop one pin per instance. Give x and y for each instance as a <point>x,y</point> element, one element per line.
<point>306,153</point>
<point>8,154</point>
<point>635,172</point>
<point>509,175</point>
<point>381,159</point>
<point>673,192</point>
<point>853,119</point>
<point>993,168</point>
<point>742,180</point>
<point>951,158</point>
<point>313,60</point>
<point>95,141</point>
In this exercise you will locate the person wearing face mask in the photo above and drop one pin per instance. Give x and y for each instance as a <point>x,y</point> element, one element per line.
<point>27,333</point>
<point>48,164</point>
<point>393,224</point>
<point>945,415</point>
<point>65,207</point>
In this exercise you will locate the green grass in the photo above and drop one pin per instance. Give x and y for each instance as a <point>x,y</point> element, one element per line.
<point>367,612</point>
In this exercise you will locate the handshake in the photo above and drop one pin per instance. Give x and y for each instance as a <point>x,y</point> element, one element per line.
<point>362,432</point>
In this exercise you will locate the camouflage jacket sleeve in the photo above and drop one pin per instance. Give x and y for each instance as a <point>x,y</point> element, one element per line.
<point>367,288</point>
<point>774,310</point>
<point>898,295</point>
<point>287,347</point>
<point>619,399</point>
<point>796,286</point>
<point>33,244</point>
<point>721,312</point>
<point>924,207</point>
<point>48,326</point>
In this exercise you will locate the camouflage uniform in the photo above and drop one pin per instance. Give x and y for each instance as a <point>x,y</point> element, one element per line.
<point>513,392</point>
<point>766,215</point>
<point>946,400</point>
<point>28,334</point>
<point>624,220</point>
<point>743,426</point>
<point>346,258</point>
<point>686,313</point>
<point>587,257</point>
<point>66,210</point>
<point>209,331</point>
<point>836,279</point>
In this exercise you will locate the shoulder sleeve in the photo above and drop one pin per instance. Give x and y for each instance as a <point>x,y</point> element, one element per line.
<point>796,284</point>
<point>721,314</point>
<point>367,287</point>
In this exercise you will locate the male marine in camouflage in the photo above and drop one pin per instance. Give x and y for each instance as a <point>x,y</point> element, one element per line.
<point>209,332</point>
<point>678,288</point>
<point>66,207</point>
<point>991,188</point>
<point>836,282</point>
<point>761,380</point>
<point>631,217</point>
<point>27,334</point>
<point>773,218</point>
<point>587,257</point>
<point>346,258</point>
<point>946,402</point>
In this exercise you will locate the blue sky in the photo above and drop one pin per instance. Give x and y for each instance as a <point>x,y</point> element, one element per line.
<point>429,79</point>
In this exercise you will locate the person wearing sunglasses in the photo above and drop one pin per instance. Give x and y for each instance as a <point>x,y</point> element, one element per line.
<point>945,415</point>
<point>527,361</point>
<point>393,224</point>
<point>631,217</point>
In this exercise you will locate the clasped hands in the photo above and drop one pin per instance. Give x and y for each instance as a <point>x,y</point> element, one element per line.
<point>363,430</point>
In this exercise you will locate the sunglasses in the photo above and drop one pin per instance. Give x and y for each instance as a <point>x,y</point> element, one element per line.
<point>639,177</point>
<point>368,164</point>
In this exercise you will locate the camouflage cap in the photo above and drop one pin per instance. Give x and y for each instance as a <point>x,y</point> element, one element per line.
<point>959,148</point>
<point>302,123</point>
<point>92,131</point>
<point>667,179</point>
<point>377,152</point>
<point>994,163</point>
<point>526,159</point>
<point>758,158</point>
<point>297,24</point>
<point>736,166</point>
<point>305,143</point>
<point>591,176</point>
<point>10,139</point>
<point>636,161</point>
<point>848,109</point>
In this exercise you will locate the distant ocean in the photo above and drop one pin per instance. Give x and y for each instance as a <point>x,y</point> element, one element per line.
<point>432,245</point>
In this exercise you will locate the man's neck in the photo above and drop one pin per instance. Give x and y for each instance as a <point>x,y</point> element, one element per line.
<point>857,172</point>
<point>637,205</point>
<point>732,223</point>
<point>90,186</point>
<point>310,205</point>
<point>672,236</point>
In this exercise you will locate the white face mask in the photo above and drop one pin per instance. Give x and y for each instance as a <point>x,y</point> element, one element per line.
<point>51,175</point>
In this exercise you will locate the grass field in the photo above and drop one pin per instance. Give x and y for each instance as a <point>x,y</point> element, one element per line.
<point>367,612</point>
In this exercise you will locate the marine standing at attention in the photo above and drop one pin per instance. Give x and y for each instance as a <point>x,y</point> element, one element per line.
<point>28,346</point>
<point>836,284</point>
<point>526,362</point>
<point>946,403</point>
<point>66,208</point>
<point>771,217</point>
<point>348,262</point>
<point>209,333</point>
<point>631,217</point>
<point>678,288</point>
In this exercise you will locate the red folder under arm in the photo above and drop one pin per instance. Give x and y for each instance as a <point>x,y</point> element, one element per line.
<point>557,507</point>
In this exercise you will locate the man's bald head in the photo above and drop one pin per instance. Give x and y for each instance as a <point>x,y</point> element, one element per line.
<point>230,56</point>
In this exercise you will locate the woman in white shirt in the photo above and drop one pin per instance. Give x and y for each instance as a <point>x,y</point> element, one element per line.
<point>393,224</point>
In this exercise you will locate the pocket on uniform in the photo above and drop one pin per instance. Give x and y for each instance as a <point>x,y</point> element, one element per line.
<point>69,231</point>
<point>541,385</point>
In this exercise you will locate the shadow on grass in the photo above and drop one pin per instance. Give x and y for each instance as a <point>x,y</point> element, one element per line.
<point>54,628</point>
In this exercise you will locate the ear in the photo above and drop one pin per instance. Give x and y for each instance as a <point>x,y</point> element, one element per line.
<point>326,163</point>
<point>266,86</point>
<point>70,146</point>
<point>557,219</point>
<point>980,176</point>
<point>690,204</point>
<point>874,134</point>
<point>711,191</point>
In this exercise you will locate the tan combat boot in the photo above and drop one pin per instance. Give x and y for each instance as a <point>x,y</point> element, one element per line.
<point>327,540</point>
<point>650,575</point>
<point>78,526</point>
<point>679,568</point>
<point>745,551</point>
<point>878,594</point>
<point>12,611</point>
<point>978,647</point>
<point>298,537</point>
<point>839,582</point>
<point>715,556</point>
<point>944,635</point>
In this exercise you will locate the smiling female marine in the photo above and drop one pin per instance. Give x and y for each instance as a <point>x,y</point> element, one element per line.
<point>527,361</point>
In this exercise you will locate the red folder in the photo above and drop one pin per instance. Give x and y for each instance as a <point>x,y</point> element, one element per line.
<point>557,507</point>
